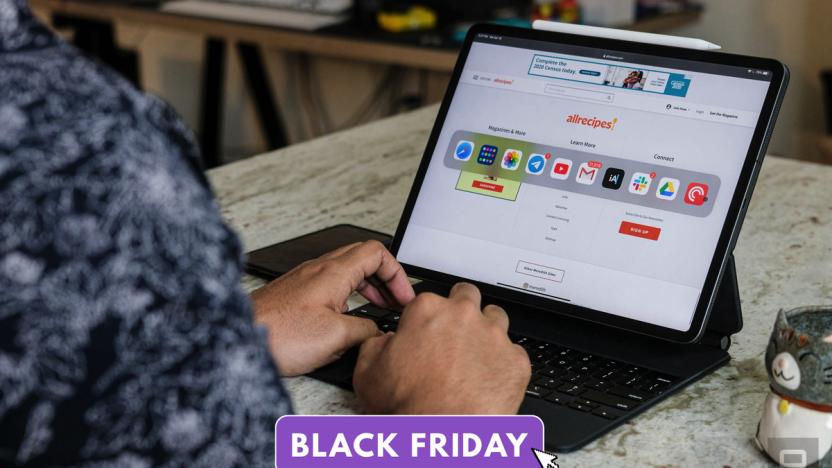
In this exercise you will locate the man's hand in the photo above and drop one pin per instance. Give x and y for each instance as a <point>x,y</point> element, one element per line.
<point>303,309</point>
<point>447,357</point>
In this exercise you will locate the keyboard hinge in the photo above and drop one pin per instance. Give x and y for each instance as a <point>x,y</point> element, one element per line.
<point>717,340</point>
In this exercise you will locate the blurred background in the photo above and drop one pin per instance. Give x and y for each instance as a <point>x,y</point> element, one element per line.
<point>254,75</point>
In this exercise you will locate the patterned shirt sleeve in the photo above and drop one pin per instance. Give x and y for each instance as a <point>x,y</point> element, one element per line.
<point>125,338</point>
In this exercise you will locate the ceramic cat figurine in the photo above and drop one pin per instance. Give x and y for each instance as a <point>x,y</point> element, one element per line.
<point>798,410</point>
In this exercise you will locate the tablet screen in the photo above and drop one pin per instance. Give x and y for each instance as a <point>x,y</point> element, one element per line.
<point>585,176</point>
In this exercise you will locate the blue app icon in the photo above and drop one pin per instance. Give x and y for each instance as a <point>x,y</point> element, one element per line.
<point>488,153</point>
<point>464,150</point>
<point>535,164</point>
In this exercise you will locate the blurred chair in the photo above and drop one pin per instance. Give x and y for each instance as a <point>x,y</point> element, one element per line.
<point>826,141</point>
<point>98,39</point>
<point>826,82</point>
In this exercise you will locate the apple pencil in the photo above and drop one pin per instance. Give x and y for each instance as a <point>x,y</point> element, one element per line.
<point>620,34</point>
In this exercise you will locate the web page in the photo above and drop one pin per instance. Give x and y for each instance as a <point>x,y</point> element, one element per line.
<point>600,183</point>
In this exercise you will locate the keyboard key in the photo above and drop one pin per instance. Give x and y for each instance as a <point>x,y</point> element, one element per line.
<point>660,378</point>
<point>654,387</point>
<point>539,357</point>
<point>374,312</point>
<point>580,407</point>
<point>634,370</point>
<point>606,412</point>
<point>568,376</point>
<point>578,355</point>
<point>585,402</point>
<point>549,372</point>
<point>628,381</point>
<point>571,389</point>
<point>630,393</point>
<point>576,378</point>
<point>558,398</point>
<point>537,391</point>
<point>665,378</point>
<point>529,344</point>
<point>609,400</point>
<point>548,383</point>
<point>600,385</point>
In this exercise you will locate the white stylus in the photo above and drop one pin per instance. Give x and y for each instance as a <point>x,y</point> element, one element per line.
<point>620,34</point>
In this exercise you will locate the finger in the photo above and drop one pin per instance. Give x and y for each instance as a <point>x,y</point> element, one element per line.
<point>366,289</point>
<point>371,258</point>
<point>370,351</point>
<point>497,315</point>
<point>372,294</point>
<point>357,330</point>
<point>466,291</point>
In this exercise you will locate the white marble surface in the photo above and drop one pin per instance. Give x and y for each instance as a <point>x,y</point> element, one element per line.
<point>362,176</point>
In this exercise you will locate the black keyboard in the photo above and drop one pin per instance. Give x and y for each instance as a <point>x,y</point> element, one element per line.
<point>589,383</point>
<point>566,376</point>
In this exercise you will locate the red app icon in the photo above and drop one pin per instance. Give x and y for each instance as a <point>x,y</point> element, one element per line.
<point>696,193</point>
<point>561,168</point>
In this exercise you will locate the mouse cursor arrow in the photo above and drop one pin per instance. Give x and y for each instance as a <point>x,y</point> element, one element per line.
<point>546,460</point>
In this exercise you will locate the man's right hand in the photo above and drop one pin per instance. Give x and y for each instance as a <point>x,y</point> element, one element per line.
<point>448,356</point>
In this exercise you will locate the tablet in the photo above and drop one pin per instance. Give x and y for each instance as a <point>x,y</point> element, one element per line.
<point>601,179</point>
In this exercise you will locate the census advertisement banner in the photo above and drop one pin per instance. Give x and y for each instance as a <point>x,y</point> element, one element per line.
<point>411,441</point>
<point>628,77</point>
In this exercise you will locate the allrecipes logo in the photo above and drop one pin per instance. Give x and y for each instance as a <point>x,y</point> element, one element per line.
<point>593,122</point>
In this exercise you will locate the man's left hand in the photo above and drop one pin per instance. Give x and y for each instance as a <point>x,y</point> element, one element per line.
<point>304,309</point>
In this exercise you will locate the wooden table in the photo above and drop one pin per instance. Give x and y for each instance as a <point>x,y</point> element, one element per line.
<point>362,176</point>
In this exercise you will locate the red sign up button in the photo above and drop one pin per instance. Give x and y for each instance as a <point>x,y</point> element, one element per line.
<point>487,186</point>
<point>639,230</point>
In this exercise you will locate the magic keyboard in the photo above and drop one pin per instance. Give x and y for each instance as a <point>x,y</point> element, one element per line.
<point>566,376</point>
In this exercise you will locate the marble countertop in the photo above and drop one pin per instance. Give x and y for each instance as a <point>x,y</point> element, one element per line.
<point>362,176</point>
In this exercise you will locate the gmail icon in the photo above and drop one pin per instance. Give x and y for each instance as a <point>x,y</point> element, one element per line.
<point>588,172</point>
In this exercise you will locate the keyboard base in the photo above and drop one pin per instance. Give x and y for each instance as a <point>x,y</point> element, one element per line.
<point>575,402</point>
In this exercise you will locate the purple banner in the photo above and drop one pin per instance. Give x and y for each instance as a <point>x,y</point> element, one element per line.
<point>405,441</point>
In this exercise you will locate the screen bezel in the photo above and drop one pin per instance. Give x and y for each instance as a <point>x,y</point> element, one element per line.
<point>733,219</point>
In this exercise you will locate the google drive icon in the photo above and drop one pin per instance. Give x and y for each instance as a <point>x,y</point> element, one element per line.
<point>668,188</point>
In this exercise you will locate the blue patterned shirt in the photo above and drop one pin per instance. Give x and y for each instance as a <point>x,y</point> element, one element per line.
<point>125,338</point>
